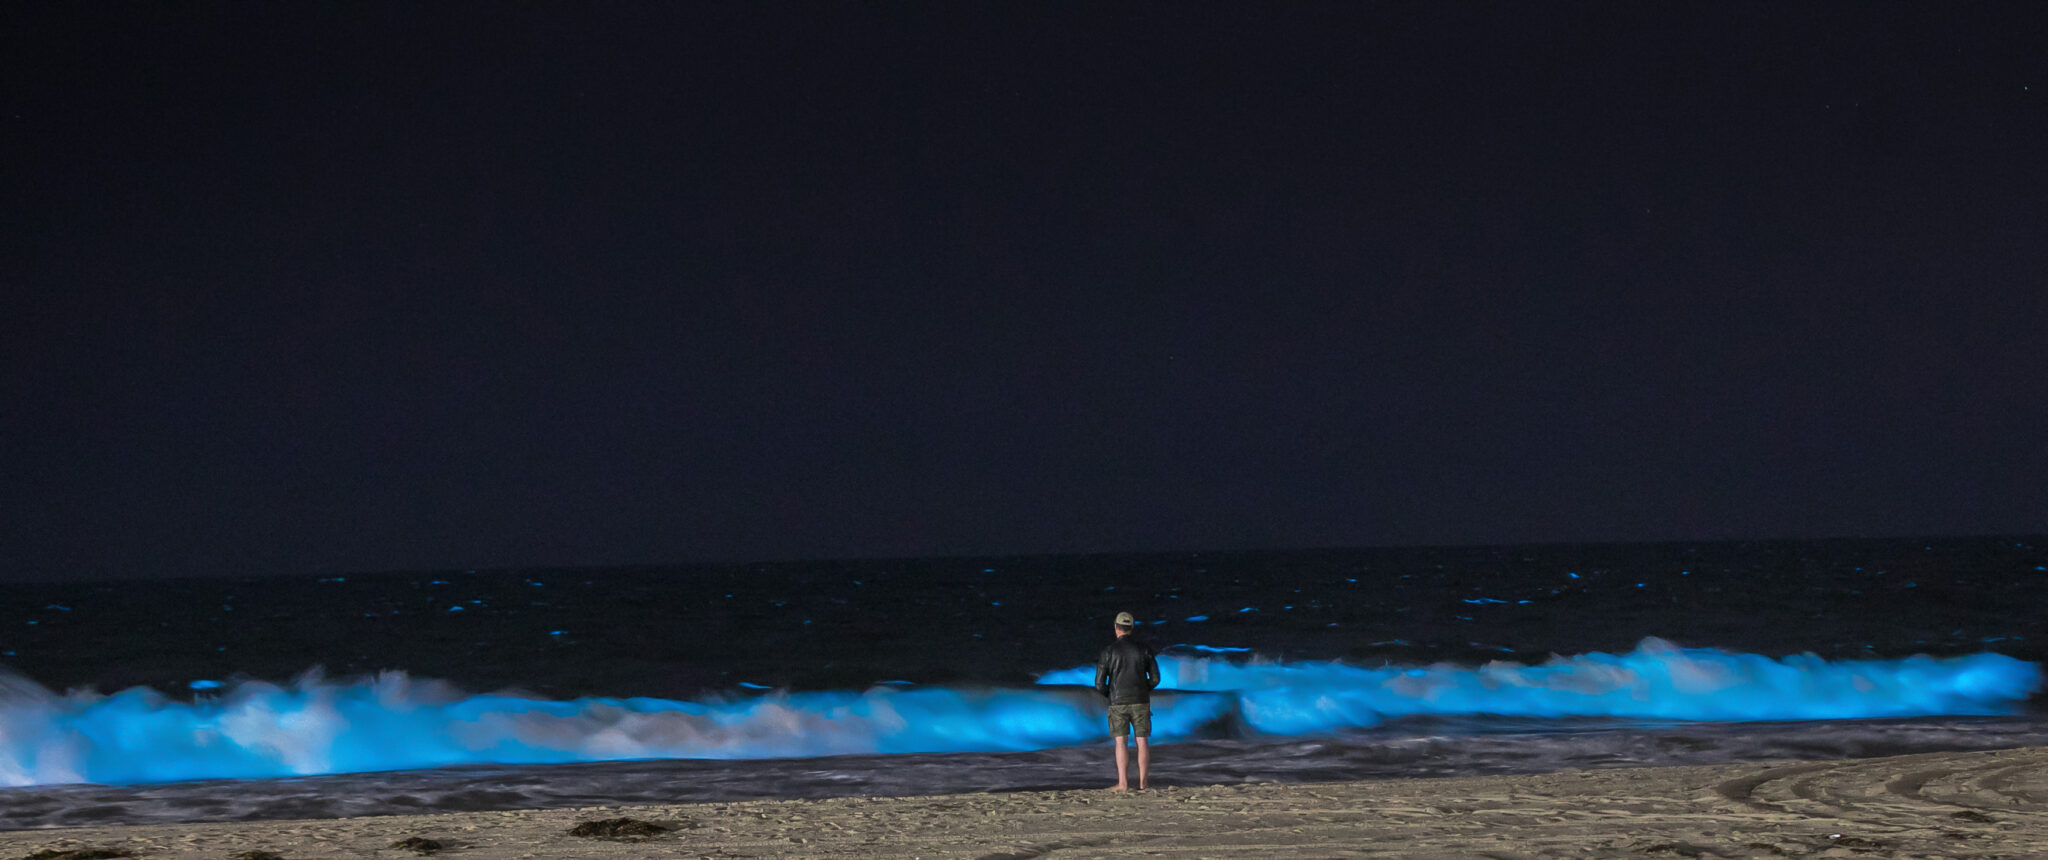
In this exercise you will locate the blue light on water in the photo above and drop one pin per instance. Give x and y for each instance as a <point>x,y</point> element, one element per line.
<point>1198,618</point>
<point>1658,680</point>
<point>391,722</point>
<point>256,729</point>
<point>205,685</point>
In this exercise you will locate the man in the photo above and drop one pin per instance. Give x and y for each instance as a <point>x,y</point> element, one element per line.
<point>1126,673</point>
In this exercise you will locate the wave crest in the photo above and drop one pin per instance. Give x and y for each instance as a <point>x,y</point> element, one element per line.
<point>393,721</point>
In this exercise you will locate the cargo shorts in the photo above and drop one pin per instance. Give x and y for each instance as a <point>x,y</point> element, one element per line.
<point>1123,719</point>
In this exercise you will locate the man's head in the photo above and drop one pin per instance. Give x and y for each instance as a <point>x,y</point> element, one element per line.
<point>1125,623</point>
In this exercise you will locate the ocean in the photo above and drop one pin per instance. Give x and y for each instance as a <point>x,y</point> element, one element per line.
<point>284,697</point>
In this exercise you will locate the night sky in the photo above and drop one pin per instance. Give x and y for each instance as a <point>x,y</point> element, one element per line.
<point>303,287</point>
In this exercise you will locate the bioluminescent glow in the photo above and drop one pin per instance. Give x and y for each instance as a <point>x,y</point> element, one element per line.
<point>1658,680</point>
<point>393,722</point>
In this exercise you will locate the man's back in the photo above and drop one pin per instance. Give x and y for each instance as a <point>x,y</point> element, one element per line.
<point>1127,672</point>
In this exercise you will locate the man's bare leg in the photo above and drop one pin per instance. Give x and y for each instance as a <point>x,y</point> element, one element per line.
<point>1144,764</point>
<point>1123,765</point>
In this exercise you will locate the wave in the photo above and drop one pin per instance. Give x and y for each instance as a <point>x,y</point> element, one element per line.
<point>1658,680</point>
<point>255,729</point>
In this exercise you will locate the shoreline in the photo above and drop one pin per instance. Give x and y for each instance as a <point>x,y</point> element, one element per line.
<point>1962,804</point>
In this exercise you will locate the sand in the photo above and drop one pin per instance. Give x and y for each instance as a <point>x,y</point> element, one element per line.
<point>1975,804</point>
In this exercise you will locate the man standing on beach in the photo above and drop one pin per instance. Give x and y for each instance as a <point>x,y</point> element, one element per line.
<point>1126,673</point>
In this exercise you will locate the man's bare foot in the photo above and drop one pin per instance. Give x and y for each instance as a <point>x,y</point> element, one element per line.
<point>1119,787</point>
<point>1143,786</point>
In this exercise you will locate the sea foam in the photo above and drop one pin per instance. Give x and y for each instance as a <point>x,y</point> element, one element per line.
<point>391,721</point>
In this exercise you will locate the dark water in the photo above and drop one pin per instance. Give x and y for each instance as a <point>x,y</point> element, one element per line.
<point>550,687</point>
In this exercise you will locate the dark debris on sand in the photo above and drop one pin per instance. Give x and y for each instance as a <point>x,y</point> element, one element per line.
<point>1682,849</point>
<point>417,844</point>
<point>79,854</point>
<point>1858,842</point>
<point>258,855</point>
<point>622,829</point>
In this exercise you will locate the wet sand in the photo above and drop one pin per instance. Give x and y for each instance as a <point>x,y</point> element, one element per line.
<point>1974,804</point>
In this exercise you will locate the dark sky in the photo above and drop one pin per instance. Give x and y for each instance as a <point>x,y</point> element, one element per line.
<point>295,287</point>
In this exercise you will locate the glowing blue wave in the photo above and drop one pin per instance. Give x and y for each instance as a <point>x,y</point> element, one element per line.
<point>1658,680</point>
<point>393,722</point>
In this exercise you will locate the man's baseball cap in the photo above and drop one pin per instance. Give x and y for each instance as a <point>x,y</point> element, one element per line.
<point>1125,619</point>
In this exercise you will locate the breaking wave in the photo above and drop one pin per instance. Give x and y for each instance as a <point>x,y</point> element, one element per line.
<point>1658,681</point>
<point>312,726</point>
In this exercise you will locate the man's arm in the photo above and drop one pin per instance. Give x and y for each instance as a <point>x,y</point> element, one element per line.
<point>1102,673</point>
<point>1152,676</point>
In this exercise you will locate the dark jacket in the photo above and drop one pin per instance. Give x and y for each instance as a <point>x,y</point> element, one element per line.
<point>1127,672</point>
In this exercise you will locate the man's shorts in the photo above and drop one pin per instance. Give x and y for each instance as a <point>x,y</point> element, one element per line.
<point>1124,718</point>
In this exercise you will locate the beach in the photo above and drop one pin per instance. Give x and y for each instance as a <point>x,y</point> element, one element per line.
<point>1966,804</point>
